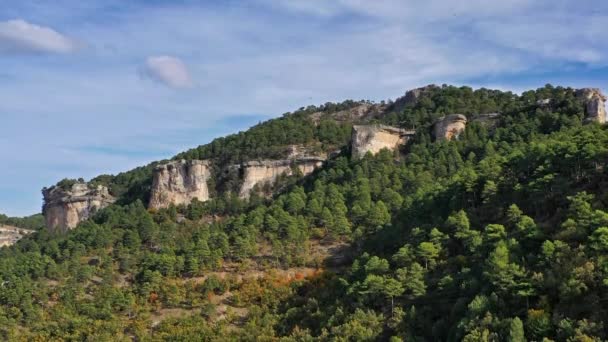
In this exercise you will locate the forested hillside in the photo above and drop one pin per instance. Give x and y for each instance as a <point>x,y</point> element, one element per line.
<point>499,235</point>
<point>267,140</point>
<point>33,222</point>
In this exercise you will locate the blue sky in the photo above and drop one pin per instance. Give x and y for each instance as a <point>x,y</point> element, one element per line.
<point>101,86</point>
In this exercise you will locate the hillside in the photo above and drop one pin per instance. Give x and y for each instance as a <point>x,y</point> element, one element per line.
<point>487,221</point>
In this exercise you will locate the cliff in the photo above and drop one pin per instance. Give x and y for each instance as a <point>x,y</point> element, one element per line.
<point>595,104</point>
<point>9,234</point>
<point>63,208</point>
<point>373,138</point>
<point>179,182</point>
<point>449,126</point>
<point>267,171</point>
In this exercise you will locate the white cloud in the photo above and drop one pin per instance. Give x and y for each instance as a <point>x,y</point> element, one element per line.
<point>19,36</point>
<point>168,70</point>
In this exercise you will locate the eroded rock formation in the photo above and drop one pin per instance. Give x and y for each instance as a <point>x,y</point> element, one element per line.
<point>449,127</point>
<point>179,182</point>
<point>9,235</point>
<point>64,208</point>
<point>595,104</point>
<point>373,138</point>
<point>267,171</point>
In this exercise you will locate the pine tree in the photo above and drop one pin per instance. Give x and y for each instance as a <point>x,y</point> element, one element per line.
<point>516,331</point>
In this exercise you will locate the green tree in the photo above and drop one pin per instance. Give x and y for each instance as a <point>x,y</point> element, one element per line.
<point>516,331</point>
<point>428,251</point>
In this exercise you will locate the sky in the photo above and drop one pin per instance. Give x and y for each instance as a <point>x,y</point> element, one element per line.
<point>102,86</point>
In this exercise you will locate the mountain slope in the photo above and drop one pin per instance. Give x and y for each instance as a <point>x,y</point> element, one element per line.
<point>497,234</point>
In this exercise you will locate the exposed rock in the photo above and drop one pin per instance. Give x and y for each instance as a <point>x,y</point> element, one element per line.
<point>360,112</point>
<point>595,104</point>
<point>334,154</point>
<point>373,138</point>
<point>294,152</point>
<point>449,127</point>
<point>543,102</point>
<point>9,234</point>
<point>267,171</point>
<point>63,208</point>
<point>179,182</point>
<point>487,119</point>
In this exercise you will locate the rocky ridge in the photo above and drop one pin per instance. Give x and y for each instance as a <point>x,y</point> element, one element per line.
<point>180,181</point>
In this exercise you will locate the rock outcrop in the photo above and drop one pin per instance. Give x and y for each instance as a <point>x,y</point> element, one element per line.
<point>490,120</point>
<point>373,138</point>
<point>267,171</point>
<point>179,182</point>
<point>543,102</point>
<point>362,111</point>
<point>64,208</point>
<point>595,104</point>
<point>449,127</point>
<point>9,235</point>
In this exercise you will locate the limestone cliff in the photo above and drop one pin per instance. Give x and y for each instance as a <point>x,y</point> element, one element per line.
<point>595,104</point>
<point>179,182</point>
<point>373,138</point>
<point>449,127</point>
<point>267,171</point>
<point>63,208</point>
<point>9,235</point>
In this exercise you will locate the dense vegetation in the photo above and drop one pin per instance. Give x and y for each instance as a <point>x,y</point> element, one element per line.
<point>33,222</point>
<point>501,235</point>
<point>268,140</point>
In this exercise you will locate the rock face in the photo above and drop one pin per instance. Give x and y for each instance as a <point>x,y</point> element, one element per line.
<point>267,171</point>
<point>9,234</point>
<point>63,208</point>
<point>449,127</point>
<point>373,138</point>
<point>595,104</point>
<point>179,182</point>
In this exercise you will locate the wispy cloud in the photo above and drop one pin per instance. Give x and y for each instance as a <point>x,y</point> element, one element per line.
<point>168,70</point>
<point>19,36</point>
